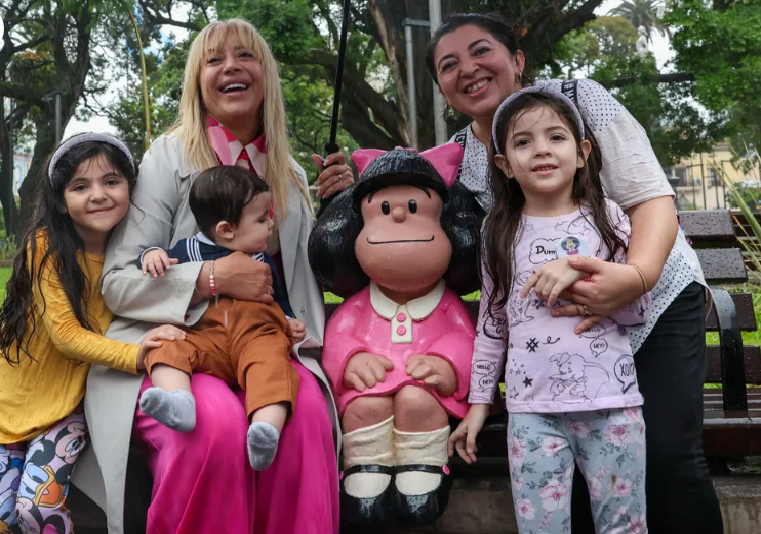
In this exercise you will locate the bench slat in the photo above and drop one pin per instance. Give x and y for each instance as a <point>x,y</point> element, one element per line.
<point>708,228</point>
<point>752,364</point>
<point>722,265</point>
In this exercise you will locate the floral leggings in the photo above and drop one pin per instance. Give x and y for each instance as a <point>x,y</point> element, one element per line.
<point>34,478</point>
<point>608,446</point>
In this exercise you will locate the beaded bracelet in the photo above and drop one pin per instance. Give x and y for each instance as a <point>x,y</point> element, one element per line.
<point>212,287</point>
<point>642,277</point>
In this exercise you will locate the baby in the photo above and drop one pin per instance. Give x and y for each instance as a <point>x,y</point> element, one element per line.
<point>244,343</point>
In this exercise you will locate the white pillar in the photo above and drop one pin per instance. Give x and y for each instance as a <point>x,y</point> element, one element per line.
<point>434,7</point>
<point>411,99</point>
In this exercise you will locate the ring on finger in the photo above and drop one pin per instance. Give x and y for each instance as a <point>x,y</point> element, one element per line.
<point>340,177</point>
<point>587,310</point>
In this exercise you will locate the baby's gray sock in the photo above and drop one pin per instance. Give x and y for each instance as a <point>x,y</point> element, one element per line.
<point>174,409</point>
<point>262,441</point>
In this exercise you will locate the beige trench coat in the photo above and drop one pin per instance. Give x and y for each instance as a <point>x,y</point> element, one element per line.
<point>163,217</point>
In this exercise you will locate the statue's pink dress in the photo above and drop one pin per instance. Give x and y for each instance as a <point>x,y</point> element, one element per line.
<point>437,324</point>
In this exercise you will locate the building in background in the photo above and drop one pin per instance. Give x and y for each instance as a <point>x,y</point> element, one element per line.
<point>697,184</point>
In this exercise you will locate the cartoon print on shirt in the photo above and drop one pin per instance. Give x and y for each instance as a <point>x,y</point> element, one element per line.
<point>514,368</point>
<point>487,372</point>
<point>598,345</point>
<point>517,307</point>
<point>569,384</point>
<point>541,251</point>
<point>580,226</point>
<point>625,372</point>
<point>494,327</point>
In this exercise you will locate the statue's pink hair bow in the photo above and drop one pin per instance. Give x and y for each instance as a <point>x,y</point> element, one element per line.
<point>446,159</point>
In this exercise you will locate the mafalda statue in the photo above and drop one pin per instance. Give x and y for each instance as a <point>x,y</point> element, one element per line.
<point>400,245</point>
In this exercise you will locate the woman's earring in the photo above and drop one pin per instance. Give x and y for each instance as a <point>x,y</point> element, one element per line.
<point>519,77</point>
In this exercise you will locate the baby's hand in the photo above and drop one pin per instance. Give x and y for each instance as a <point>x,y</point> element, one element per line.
<point>151,341</point>
<point>551,279</point>
<point>463,439</point>
<point>298,329</point>
<point>156,260</point>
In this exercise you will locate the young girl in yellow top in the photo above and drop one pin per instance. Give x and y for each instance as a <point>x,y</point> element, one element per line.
<point>51,328</point>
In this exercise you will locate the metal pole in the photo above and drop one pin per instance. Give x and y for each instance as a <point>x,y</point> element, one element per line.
<point>412,112</point>
<point>58,118</point>
<point>434,6</point>
<point>703,178</point>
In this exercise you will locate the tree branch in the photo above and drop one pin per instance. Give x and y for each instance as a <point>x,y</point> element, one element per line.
<point>19,92</point>
<point>675,77</point>
<point>356,121</point>
<point>30,44</point>
<point>158,19</point>
<point>384,111</point>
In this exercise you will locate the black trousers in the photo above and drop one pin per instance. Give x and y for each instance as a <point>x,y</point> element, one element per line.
<point>671,369</point>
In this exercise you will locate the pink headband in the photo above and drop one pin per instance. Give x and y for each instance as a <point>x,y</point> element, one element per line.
<point>444,158</point>
<point>534,89</point>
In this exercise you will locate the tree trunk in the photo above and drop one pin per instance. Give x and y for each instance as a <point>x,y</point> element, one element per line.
<point>43,147</point>
<point>10,213</point>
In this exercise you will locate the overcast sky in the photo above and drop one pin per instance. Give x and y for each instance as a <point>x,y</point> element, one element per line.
<point>660,47</point>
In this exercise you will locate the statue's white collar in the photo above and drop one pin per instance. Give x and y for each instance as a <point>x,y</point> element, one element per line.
<point>418,308</point>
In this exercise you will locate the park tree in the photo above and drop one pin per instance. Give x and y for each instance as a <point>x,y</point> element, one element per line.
<point>647,13</point>
<point>720,44</point>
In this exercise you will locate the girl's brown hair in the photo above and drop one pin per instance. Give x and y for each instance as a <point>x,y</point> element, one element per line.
<point>503,226</point>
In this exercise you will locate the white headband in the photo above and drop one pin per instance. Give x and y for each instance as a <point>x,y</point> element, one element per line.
<point>534,89</point>
<point>75,140</point>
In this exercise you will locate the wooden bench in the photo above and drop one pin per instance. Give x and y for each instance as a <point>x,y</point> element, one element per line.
<point>732,414</point>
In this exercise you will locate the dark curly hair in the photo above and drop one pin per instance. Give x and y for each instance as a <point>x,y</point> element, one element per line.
<point>331,244</point>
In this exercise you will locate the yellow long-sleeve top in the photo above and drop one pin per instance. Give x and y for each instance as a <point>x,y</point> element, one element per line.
<point>34,395</point>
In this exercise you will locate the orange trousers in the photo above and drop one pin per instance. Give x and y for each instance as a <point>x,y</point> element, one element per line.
<point>243,343</point>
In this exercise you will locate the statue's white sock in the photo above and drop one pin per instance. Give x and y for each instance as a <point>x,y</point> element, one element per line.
<point>428,448</point>
<point>372,445</point>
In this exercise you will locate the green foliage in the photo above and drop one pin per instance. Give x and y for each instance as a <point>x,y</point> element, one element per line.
<point>8,246</point>
<point>720,44</point>
<point>750,195</point>
<point>276,19</point>
<point>673,123</point>
<point>127,113</point>
<point>642,13</point>
<point>599,40</point>
<point>604,51</point>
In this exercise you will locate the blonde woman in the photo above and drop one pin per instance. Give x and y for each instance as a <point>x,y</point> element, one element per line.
<point>231,113</point>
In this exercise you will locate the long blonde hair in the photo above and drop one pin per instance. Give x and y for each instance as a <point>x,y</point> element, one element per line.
<point>192,116</point>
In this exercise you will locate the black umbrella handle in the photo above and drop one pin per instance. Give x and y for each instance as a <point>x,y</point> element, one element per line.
<point>331,148</point>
